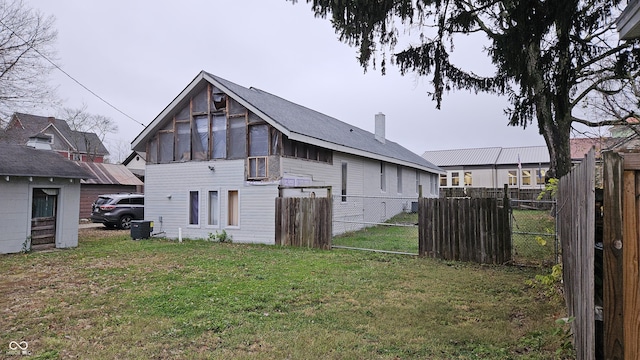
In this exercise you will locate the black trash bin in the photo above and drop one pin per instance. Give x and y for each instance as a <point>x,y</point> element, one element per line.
<point>141,229</point>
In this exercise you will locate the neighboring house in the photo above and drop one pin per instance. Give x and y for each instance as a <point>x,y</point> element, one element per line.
<point>40,195</point>
<point>220,154</point>
<point>628,23</point>
<point>105,179</point>
<point>136,163</point>
<point>74,145</point>
<point>518,167</point>
<point>85,148</point>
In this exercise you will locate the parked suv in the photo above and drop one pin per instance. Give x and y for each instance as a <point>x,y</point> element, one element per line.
<point>118,209</point>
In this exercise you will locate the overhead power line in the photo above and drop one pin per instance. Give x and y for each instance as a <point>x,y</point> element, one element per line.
<point>71,77</point>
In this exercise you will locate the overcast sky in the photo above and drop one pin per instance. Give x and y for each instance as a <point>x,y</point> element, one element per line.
<point>139,55</point>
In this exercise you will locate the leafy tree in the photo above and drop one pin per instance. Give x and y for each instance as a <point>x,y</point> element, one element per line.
<point>26,38</point>
<point>554,59</point>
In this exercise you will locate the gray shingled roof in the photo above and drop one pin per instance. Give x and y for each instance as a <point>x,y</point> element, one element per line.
<point>34,125</point>
<point>20,160</point>
<point>304,121</point>
<point>303,124</point>
<point>488,156</point>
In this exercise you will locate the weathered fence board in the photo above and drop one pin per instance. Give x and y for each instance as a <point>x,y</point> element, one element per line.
<point>304,222</point>
<point>576,205</point>
<point>464,229</point>
<point>613,311</point>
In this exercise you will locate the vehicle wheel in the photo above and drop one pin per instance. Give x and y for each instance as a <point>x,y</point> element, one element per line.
<point>125,222</point>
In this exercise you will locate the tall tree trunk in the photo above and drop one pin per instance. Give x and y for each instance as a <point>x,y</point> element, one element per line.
<point>553,115</point>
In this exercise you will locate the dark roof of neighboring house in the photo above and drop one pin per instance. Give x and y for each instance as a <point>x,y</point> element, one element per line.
<point>22,126</point>
<point>489,156</point>
<point>21,160</point>
<point>299,123</point>
<point>109,174</point>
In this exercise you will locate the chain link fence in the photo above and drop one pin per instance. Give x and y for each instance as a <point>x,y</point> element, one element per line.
<point>533,232</point>
<point>379,223</point>
<point>390,224</point>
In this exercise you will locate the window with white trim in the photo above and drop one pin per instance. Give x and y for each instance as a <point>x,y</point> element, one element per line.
<point>214,208</point>
<point>194,207</point>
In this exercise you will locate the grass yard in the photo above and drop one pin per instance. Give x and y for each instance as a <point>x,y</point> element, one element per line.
<point>538,246</point>
<point>385,237</point>
<point>114,298</point>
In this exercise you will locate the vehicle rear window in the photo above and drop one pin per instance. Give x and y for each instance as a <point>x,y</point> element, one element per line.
<point>102,200</point>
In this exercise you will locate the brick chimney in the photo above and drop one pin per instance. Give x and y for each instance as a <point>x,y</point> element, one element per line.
<point>380,127</point>
<point>51,119</point>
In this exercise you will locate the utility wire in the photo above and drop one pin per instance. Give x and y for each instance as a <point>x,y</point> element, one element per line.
<point>69,76</point>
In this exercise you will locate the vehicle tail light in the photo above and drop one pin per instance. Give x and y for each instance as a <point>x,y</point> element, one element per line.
<point>107,207</point>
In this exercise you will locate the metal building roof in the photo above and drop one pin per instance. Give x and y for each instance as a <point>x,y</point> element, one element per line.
<point>109,174</point>
<point>488,156</point>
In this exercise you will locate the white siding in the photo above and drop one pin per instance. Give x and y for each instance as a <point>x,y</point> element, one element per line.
<point>366,202</point>
<point>15,214</point>
<point>167,190</point>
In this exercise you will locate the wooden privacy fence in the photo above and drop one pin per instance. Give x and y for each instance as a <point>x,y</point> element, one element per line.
<point>464,229</point>
<point>576,229</point>
<point>621,247</point>
<point>304,222</point>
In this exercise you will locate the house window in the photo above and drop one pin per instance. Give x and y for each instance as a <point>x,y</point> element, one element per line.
<point>152,153</point>
<point>443,179</point>
<point>540,174</point>
<point>233,212</point>
<point>200,138</point>
<point>214,208</point>
<point>513,178</point>
<point>344,182</point>
<point>219,131</point>
<point>258,167</point>
<point>526,177</point>
<point>50,136</point>
<point>383,177</point>
<point>194,204</point>
<point>76,157</point>
<point>237,138</point>
<point>468,180</point>
<point>399,176</point>
<point>183,141</point>
<point>259,140</point>
<point>455,179</point>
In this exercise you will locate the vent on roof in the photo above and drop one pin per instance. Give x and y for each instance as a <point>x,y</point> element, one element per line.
<point>380,127</point>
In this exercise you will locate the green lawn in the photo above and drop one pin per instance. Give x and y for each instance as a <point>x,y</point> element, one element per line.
<point>536,248</point>
<point>385,237</point>
<point>114,298</point>
<point>533,248</point>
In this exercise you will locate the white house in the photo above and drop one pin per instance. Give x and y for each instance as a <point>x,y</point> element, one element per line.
<point>219,154</point>
<point>518,167</point>
<point>40,197</point>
